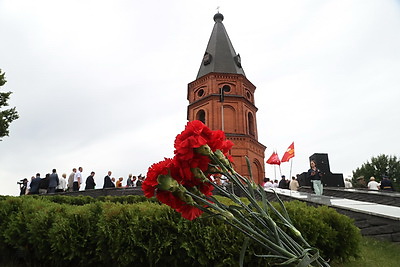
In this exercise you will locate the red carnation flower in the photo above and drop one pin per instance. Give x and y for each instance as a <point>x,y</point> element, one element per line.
<point>218,141</point>
<point>150,183</point>
<point>195,135</point>
<point>189,212</point>
<point>191,149</point>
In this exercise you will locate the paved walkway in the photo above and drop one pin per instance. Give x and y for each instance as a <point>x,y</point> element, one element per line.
<point>387,211</point>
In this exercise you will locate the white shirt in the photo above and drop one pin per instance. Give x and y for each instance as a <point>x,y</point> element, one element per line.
<point>62,184</point>
<point>373,185</point>
<point>77,176</point>
<point>347,184</point>
<point>268,185</point>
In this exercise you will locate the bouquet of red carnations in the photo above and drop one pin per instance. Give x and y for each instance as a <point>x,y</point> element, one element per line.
<point>184,183</point>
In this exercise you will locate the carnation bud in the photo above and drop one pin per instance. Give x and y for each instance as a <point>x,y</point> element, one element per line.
<point>197,173</point>
<point>295,231</point>
<point>167,183</point>
<point>180,193</point>
<point>204,150</point>
<point>222,157</point>
<point>196,191</point>
<point>227,215</point>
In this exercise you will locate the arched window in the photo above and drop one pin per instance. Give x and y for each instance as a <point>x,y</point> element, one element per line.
<point>201,116</point>
<point>229,119</point>
<point>257,172</point>
<point>250,121</point>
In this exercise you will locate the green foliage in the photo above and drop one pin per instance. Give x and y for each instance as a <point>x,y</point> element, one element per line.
<point>130,199</point>
<point>62,231</point>
<point>379,166</point>
<point>6,115</point>
<point>332,233</point>
<point>76,201</point>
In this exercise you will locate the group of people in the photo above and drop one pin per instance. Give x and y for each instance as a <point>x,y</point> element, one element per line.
<point>52,183</point>
<point>283,183</point>
<point>314,174</point>
<point>386,184</point>
<point>111,182</point>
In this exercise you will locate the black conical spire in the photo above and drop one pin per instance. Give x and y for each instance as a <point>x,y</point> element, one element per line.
<point>220,56</point>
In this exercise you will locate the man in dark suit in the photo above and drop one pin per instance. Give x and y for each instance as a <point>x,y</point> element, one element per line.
<point>90,184</point>
<point>53,182</point>
<point>35,185</point>
<point>107,181</point>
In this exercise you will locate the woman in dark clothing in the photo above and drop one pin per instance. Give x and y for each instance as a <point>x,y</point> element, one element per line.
<point>315,176</point>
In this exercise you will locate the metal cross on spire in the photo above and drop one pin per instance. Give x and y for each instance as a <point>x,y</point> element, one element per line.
<point>217,9</point>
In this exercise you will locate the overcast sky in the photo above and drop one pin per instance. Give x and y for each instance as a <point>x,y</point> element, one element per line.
<point>103,84</point>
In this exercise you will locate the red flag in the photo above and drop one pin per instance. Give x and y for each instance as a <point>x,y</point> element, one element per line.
<point>289,153</point>
<point>274,159</point>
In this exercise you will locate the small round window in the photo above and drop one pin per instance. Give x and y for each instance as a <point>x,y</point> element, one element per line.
<point>226,88</point>
<point>200,93</point>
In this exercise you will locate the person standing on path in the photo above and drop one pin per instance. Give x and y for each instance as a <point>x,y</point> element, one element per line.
<point>90,184</point>
<point>71,180</point>
<point>53,182</point>
<point>315,176</point>
<point>77,179</point>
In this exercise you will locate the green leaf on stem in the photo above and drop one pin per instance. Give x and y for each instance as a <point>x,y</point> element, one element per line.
<point>243,250</point>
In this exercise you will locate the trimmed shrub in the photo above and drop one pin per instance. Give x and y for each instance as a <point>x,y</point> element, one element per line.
<point>113,233</point>
<point>334,234</point>
<point>74,235</point>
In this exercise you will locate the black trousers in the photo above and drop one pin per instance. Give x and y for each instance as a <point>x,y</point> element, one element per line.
<point>75,186</point>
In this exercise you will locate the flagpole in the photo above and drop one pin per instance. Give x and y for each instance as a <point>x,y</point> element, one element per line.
<point>290,175</point>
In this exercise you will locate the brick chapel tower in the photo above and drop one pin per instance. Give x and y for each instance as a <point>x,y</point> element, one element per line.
<point>223,98</point>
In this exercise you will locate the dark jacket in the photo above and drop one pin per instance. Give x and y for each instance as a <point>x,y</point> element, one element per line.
<point>108,183</point>
<point>44,183</point>
<point>386,184</point>
<point>314,175</point>
<point>35,186</point>
<point>90,184</point>
<point>283,184</point>
<point>53,180</point>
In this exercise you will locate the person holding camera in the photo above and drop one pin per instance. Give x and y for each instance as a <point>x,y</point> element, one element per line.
<point>23,185</point>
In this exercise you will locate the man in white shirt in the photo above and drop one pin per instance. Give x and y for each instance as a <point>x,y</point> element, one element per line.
<point>347,183</point>
<point>373,185</point>
<point>267,184</point>
<point>77,180</point>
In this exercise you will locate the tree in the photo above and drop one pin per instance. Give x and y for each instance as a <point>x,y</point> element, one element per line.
<point>6,115</point>
<point>379,166</point>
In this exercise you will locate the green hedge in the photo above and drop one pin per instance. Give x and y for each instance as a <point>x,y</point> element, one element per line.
<point>81,231</point>
<point>334,234</point>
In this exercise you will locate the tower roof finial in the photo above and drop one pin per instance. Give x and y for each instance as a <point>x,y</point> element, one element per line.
<point>218,17</point>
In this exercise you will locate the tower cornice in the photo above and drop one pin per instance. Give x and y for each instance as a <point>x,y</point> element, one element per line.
<point>220,76</point>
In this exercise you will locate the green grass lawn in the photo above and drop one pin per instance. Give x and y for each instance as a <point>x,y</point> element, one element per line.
<point>375,253</point>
